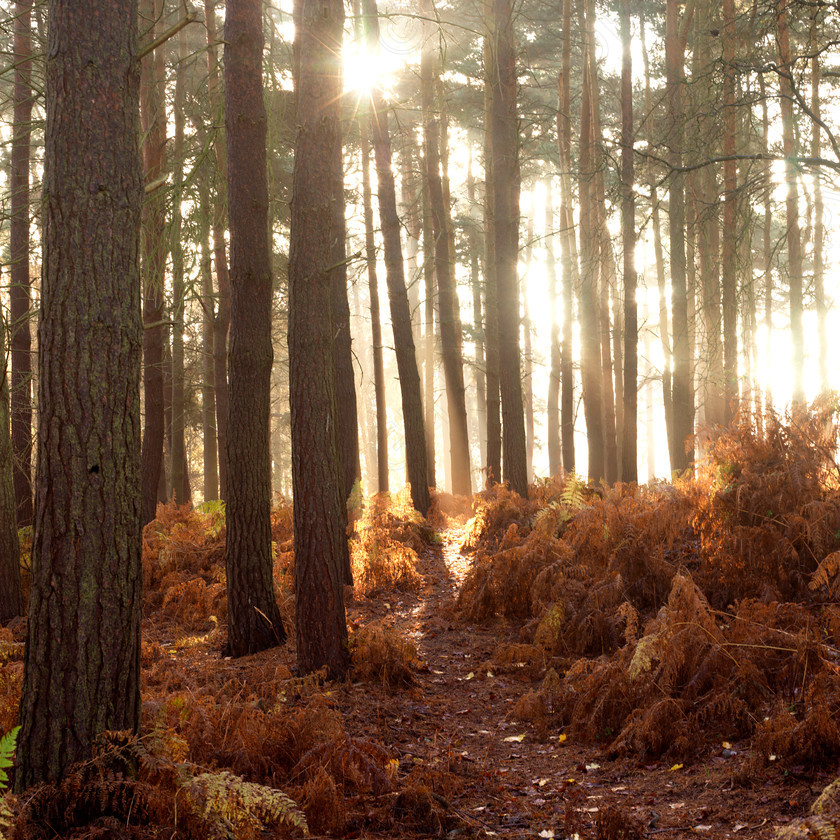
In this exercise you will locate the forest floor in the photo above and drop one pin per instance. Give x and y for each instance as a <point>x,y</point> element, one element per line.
<point>508,781</point>
<point>590,663</point>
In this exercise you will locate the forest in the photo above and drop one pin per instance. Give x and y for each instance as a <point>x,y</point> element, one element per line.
<point>418,419</point>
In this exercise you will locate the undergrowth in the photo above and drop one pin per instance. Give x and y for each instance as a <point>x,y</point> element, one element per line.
<point>661,618</point>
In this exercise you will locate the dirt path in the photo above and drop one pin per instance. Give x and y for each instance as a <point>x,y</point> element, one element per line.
<point>455,731</point>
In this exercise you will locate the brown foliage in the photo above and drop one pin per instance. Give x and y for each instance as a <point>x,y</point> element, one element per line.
<point>380,654</point>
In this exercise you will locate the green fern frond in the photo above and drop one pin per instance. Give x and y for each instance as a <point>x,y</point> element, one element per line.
<point>8,744</point>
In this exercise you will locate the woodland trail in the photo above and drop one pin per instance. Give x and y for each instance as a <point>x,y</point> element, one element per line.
<point>456,732</point>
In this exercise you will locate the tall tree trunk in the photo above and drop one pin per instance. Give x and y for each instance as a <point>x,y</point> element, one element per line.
<point>794,242</point>
<point>767,229</point>
<point>222,319</point>
<point>682,454</point>
<point>254,621</point>
<point>444,270</point>
<point>412,213</point>
<point>412,405</point>
<point>11,598</point>
<point>629,459</point>
<point>555,461</point>
<point>375,322</point>
<point>504,147</point>
<point>570,270</point>
<point>208,392</point>
<point>493,464</point>
<point>479,371</point>
<point>19,287</point>
<point>153,124</point>
<point>429,335</point>
<point>82,661</point>
<point>659,258</point>
<point>180,468</point>
<point>528,353</point>
<point>591,370</point>
<point>819,222</point>
<point>319,510</point>
<point>729,256</point>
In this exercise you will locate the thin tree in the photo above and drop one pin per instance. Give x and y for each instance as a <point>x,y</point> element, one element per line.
<point>319,509</point>
<point>375,321</point>
<point>254,622</point>
<point>153,123</point>
<point>450,336</point>
<point>412,406</point>
<point>19,288</point>
<point>504,149</point>
<point>221,323</point>
<point>180,468</point>
<point>682,453</point>
<point>82,660</point>
<point>11,598</point>
<point>553,401</point>
<point>629,465</point>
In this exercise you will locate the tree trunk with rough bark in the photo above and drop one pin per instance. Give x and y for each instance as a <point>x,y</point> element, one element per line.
<point>318,480</point>
<point>504,148</point>
<point>555,461</point>
<point>629,458</point>
<point>412,405</point>
<point>19,286</point>
<point>254,622</point>
<point>444,271</point>
<point>180,468</point>
<point>82,660</point>
<point>11,598</point>
<point>221,323</point>
<point>153,125</point>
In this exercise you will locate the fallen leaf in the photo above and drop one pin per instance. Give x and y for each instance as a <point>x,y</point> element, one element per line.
<point>726,745</point>
<point>561,738</point>
<point>702,828</point>
<point>542,782</point>
<point>547,833</point>
<point>470,676</point>
<point>593,766</point>
<point>518,738</point>
<point>676,767</point>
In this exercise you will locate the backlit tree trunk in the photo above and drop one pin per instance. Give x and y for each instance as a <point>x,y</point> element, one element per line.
<point>412,406</point>
<point>254,621</point>
<point>11,599</point>
<point>180,468</point>
<point>82,661</point>
<point>504,147</point>
<point>444,271</point>
<point>629,467</point>
<point>153,123</point>
<point>222,320</point>
<point>19,287</point>
<point>208,392</point>
<point>682,453</point>
<point>319,510</point>
<point>553,401</point>
<point>375,322</point>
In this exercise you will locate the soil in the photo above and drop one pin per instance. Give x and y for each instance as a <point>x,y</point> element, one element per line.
<point>511,783</point>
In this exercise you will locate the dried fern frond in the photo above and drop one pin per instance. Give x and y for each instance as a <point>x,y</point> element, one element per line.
<point>827,574</point>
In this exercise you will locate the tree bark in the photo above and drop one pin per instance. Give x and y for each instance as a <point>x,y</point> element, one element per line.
<point>493,464</point>
<point>429,335</point>
<point>222,320</point>
<point>591,370</point>
<point>444,271</point>
<point>180,468</point>
<point>11,598</point>
<point>412,405</point>
<point>629,457</point>
<point>555,461</point>
<point>319,510</point>
<point>504,148</point>
<point>153,124</point>
<point>19,287</point>
<point>682,450</point>
<point>82,660</point>
<point>375,322</point>
<point>208,392</point>
<point>254,621</point>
